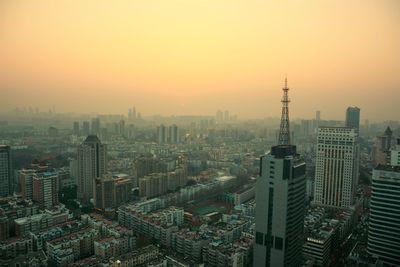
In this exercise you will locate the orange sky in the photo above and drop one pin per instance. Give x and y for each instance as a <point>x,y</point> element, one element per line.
<point>197,56</point>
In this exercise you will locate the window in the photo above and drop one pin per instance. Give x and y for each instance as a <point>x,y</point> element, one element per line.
<point>278,243</point>
<point>259,238</point>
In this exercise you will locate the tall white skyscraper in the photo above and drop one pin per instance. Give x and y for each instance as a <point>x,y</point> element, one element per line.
<point>384,222</point>
<point>337,166</point>
<point>280,202</point>
<point>91,164</point>
<point>6,182</point>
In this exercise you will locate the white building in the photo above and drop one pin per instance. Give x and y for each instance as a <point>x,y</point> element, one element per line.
<point>337,166</point>
<point>91,164</point>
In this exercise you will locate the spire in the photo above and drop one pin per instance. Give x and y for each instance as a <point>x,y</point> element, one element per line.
<point>284,132</point>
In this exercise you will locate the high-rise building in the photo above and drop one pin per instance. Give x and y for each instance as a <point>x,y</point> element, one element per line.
<point>112,191</point>
<point>25,177</point>
<point>6,181</point>
<point>45,189</point>
<point>381,148</point>
<point>86,128</point>
<point>318,115</point>
<point>337,166</point>
<point>280,199</point>
<point>173,134</point>
<point>384,222</point>
<point>161,134</point>
<point>353,118</point>
<point>76,128</point>
<point>95,126</point>
<point>91,164</point>
<point>395,154</point>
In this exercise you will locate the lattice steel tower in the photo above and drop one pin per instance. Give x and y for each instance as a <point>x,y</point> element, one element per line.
<point>284,132</point>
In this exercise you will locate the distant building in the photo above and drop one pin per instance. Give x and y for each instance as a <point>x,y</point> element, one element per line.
<point>384,222</point>
<point>161,134</point>
<point>76,128</point>
<point>91,164</point>
<point>6,181</point>
<point>353,118</point>
<point>85,128</point>
<point>45,189</point>
<point>112,191</point>
<point>173,134</point>
<point>395,154</point>
<point>95,126</point>
<point>337,166</point>
<point>381,148</point>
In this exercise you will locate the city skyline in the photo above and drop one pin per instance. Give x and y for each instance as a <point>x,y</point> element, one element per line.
<point>189,58</point>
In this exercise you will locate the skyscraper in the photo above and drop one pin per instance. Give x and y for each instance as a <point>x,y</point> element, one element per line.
<point>280,199</point>
<point>85,128</point>
<point>161,134</point>
<point>353,118</point>
<point>91,164</point>
<point>76,128</point>
<point>173,134</point>
<point>337,166</point>
<point>95,126</point>
<point>6,182</point>
<point>384,223</point>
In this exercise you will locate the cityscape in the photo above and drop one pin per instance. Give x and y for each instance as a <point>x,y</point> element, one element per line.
<point>163,174</point>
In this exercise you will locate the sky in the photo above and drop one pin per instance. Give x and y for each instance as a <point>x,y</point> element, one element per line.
<point>193,57</point>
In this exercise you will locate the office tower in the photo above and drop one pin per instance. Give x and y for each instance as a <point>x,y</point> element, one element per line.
<point>318,115</point>
<point>173,134</point>
<point>76,128</point>
<point>381,148</point>
<point>280,198</point>
<point>45,189</point>
<point>95,126</point>
<point>337,166</point>
<point>395,154</point>
<point>86,128</point>
<point>112,191</point>
<point>6,182</point>
<point>353,118</point>
<point>219,117</point>
<point>384,222</point>
<point>161,134</point>
<point>91,164</point>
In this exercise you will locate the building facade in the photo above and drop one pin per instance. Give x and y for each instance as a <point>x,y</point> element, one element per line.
<point>91,164</point>
<point>353,118</point>
<point>6,182</point>
<point>337,166</point>
<point>384,223</point>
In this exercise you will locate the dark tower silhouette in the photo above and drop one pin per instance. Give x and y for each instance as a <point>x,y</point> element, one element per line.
<point>284,132</point>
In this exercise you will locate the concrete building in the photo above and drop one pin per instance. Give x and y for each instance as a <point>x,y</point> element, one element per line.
<point>173,134</point>
<point>395,154</point>
<point>161,134</point>
<point>280,198</point>
<point>6,181</point>
<point>45,189</point>
<point>91,164</point>
<point>381,148</point>
<point>384,223</point>
<point>111,191</point>
<point>337,166</point>
<point>353,118</point>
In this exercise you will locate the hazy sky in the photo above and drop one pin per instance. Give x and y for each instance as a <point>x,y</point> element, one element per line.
<point>197,56</point>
